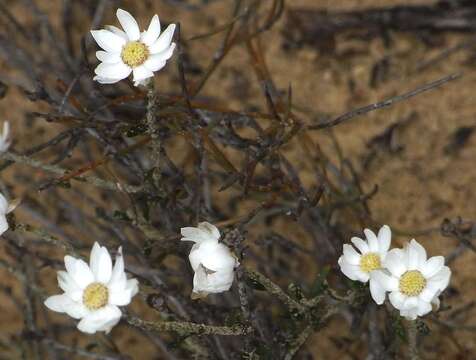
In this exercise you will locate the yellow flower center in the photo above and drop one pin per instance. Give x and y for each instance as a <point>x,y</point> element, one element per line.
<point>134,53</point>
<point>370,262</point>
<point>412,283</point>
<point>95,296</point>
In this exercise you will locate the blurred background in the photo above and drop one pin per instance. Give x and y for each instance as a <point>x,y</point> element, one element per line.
<point>297,192</point>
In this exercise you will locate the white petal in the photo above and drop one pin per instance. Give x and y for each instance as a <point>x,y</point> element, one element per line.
<point>441,279</point>
<point>353,272</point>
<point>410,314</point>
<point>79,271</point>
<point>372,240</point>
<point>3,224</point>
<point>3,204</point>
<point>423,307</point>
<point>120,298</point>
<point>436,301</point>
<point>141,73</point>
<point>429,292</point>
<point>118,271</point>
<point>133,286</point>
<point>143,83</point>
<point>117,31</point>
<point>57,303</point>
<point>164,40</point>
<point>76,310</point>
<point>377,291</point>
<point>394,262</point>
<point>217,282</point>
<point>63,304</point>
<point>416,255</point>
<point>100,263</point>
<point>210,229</point>
<point>215,256</point>
<point>103,80</point>
<point>154,64</point>
<point>94,257</point>
<point>108,40</point>
<point>153,32</point>
<point>6,130</point>
<point>197,235</point>
<point>351,255</point>
<point>397,299</point>
<point>432,266</point>
<point>101,320</point>
<point>157,61</point>
<point>129,24</point>
<point>113,71</point>
<point>410,302</point>
<point>360,244</point>
<point>389,283</point>
<point>384,238</point>
<point>108,57</point>
<point>69,286</point>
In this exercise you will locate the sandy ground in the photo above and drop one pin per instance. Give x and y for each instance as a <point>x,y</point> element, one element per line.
<point>419,185</point>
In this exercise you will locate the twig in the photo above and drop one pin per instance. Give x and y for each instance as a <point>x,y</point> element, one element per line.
<point>188,328</point>
<point>104,184</point>
<point>412,332</point>
<point>45,237</point>
<point>385,103</point>
<point>376,350</point>
<point>298,342</point>
<point>275,290</point>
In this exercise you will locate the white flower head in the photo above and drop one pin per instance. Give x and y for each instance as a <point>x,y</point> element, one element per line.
<point>129,50</point>
<point>414,282</point>
<point>6,208</point>
<point>361,266</point>
<point>94,293</point>
<point>213,263</point>
<point>5,140</point>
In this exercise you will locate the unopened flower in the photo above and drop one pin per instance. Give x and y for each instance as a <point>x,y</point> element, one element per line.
<point>361,266</point>
<point>6,208</point>
<point>213,263</point>
<point>5,140</point>
<point>132,51</point>
<point>94,293</point>
<point>414,282</point>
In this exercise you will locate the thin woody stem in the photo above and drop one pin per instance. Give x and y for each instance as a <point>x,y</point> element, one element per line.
<point>412,332</point>
<point>273,289</point>
<point>93,180</point>
<point>153,128</point>
<point>188,328</point>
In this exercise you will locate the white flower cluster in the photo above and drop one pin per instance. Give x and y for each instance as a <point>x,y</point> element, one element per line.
<point>93,293</point>
<point>413,281</point>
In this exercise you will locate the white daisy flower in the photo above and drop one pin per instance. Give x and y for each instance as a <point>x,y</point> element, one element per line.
<point>5,140</point>
<point>94,293</point>
<point>6,208</point>
<point>360,266</point>
<point>413,281</point>
<point>213,263</point>
<point>132,51</point>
